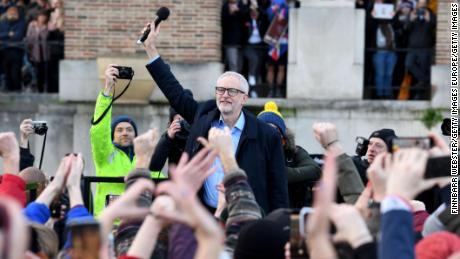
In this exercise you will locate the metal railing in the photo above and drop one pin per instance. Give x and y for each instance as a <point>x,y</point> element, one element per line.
<point>398,76</point>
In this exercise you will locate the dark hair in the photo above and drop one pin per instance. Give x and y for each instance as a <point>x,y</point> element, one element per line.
<point>44,13</point>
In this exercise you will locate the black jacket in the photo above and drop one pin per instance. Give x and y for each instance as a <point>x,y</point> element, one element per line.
<point>421,32</point>
<point>170,149</point>
<point>259,152</point>
<point>262,25</point>
<point>26,159</point>
<point>233,25</point>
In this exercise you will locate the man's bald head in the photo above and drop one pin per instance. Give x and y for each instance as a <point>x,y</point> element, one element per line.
<point>33,175</point>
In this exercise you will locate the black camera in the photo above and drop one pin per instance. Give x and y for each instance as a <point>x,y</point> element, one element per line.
<point>124,72</point>
<point>445,127</point>
<point>420,14</point>
<point>184,130</point>
<point>362,145</point>
<point>40,127</point>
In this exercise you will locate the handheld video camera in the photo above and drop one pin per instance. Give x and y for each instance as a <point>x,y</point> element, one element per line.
<point>421,13</point>
<point>362,144</point>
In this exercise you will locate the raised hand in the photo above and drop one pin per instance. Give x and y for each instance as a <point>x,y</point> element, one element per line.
<point>111,75</point>
<point>73,180</point>
<point>144,146</point>
<point>350,225</point>
<point>188,210</point>
<point>76,171</point>
<point>406,171</point>
<point>26,129</point>
<point>221,140</point>
<point>174,128</point>
<point>9,150</point>
<point>327,136</point>
<point>318,226</point>
<point>377,175</point>
<point>150,42</point>
<point>126,206</point>
<point>193,173</point>
<point>59,181</point>
<point>440,147</point>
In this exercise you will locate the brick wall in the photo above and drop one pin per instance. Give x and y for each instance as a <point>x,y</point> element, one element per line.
<point>111,27</point>
<point>443,33</point>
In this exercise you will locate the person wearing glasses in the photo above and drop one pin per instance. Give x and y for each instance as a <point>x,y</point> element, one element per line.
<point>256,145</point>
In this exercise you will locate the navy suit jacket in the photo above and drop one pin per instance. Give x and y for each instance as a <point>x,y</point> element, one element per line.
<point>398,237</point>
<point>259,152</point>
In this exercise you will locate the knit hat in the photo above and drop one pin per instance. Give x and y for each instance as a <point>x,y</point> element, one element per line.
<point>261,239</point>
<point>123,118</point>
<point>281,216</point>
<point>438,245</point>
<point>387,135</point>
<point>270,114</point>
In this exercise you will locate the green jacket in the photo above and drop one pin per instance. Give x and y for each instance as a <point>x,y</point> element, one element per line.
<point>350,184</point>
<point>108,159</point>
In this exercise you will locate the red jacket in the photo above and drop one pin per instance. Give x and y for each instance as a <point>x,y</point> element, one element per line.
<point>14,187</point>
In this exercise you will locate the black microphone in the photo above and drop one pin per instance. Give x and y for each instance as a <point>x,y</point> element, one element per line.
<point>162,14</point>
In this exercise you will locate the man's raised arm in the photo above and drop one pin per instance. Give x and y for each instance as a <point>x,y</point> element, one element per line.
<point>100,133</point>
<point>161,73</point>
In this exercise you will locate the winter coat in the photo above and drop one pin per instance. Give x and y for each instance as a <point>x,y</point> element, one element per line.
<point>109,160</point>
<point>259,152</point>
<point>302,173</point>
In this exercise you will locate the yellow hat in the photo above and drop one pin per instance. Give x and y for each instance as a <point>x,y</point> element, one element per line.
<point>271,115</point>
<point>271,107</point>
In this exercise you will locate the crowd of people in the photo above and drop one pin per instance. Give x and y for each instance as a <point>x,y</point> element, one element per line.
<point>234,190</point>
<point>255,39</point>
<point>399,49</point>
<point>31,45</point>
<point>398,57</point>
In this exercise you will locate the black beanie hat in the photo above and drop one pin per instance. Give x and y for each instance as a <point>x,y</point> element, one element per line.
<point>261,239</point>
<point>387,135</point>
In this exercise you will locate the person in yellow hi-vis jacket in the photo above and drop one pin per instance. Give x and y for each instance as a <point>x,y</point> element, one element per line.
<point>111,143</point>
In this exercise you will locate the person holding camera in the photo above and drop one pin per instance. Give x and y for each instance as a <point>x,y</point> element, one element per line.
<point>378,142</point>
<point>26,158</point>
<point>256,145</point>
<point>421,39</point>
<point>111,142</point>
<point>384,59</point>
<point>172,143</point>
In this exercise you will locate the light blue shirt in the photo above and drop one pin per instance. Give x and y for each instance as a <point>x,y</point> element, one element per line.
<point>153,59</point>
<point>210,190</point>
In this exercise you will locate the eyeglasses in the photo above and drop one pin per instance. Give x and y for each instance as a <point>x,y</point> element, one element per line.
<point>231,91</point>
